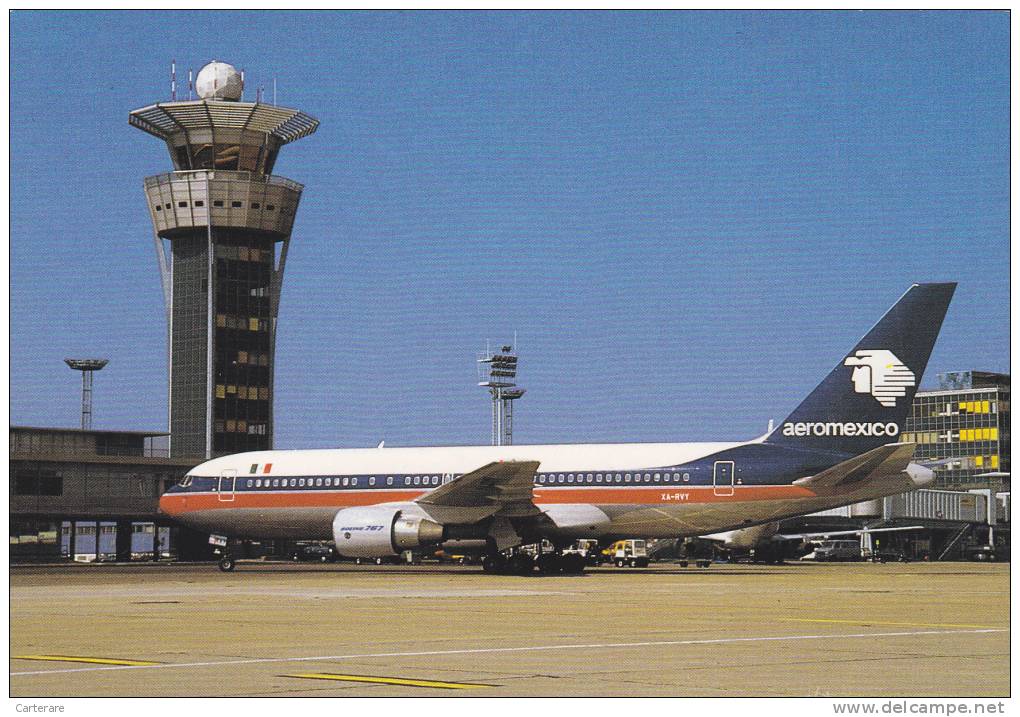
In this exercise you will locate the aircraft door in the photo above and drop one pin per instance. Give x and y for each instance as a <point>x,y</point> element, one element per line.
<point>227,483</point>
<point>722,478</point>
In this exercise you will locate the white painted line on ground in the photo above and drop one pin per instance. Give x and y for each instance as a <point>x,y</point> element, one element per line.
<point>493,650</point>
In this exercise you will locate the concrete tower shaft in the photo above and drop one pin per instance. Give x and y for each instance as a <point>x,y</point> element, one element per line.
<point>228,223</point>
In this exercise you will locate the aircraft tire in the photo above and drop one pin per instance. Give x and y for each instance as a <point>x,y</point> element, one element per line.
<point>572,564</point>
<point>620,563</point>
<point>522,564</point>
<point>227,565</point>
<point>550,564</point>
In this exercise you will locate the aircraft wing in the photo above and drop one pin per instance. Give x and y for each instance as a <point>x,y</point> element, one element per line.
<point>890,458</point>
<point>502,489</point>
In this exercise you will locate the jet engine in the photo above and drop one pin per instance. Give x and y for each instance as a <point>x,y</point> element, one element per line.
<point>379,531</point>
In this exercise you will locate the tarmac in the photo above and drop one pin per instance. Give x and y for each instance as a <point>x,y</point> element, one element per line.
<point>830,630</point>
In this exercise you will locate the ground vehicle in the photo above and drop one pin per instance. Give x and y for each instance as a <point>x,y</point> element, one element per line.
<point>320,552</point>
<point>587,549</point>
<point>980,553</point>
<point>627,552</point>
<point>835,551</point>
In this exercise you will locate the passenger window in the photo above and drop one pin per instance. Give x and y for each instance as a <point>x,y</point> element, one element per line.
<point>329,482</point>
<point>389,481</point>
<point>541,479</point>
<point>598,477</point>
<point>648,477</point>
<point>371,481</point>
<point>435,480</point>
<point>276,482</point>
<point>657,477</point>
<point>619,477</point>
<point>627,477</point>
<point>407,480</point>
<point>249,484</point>
<point>354,480</point>
<point>570,478</point>
<point>301,482</point>
<point>318,482</point>
<point>687,477</point>
<point>346,482</point>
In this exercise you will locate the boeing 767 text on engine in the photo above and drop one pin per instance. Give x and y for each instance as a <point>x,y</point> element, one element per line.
<point>837,447</point>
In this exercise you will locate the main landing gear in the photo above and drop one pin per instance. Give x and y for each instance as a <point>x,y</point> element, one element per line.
<point>227,564</point>
<point>521,562</point>
<point>699,563</point>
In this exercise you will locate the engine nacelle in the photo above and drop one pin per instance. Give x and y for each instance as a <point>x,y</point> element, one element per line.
<point>380,531</point>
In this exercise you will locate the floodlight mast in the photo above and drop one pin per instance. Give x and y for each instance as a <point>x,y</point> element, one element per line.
<point>87,368</point>
<point>498,372</point>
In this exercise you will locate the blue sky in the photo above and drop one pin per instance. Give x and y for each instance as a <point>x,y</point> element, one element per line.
<point>687,217</point>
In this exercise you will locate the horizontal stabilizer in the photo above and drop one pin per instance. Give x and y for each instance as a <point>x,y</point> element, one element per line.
<point>890,458</point>
<point>836,533</point>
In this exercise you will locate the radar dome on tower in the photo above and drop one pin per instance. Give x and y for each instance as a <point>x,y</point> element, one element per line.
<point>219,81</point>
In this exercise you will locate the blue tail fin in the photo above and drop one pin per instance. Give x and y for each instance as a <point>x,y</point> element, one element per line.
<point>863,403</point>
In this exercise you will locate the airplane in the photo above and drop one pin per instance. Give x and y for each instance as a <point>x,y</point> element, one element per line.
<point>764,543</point>
<point>836,448</point>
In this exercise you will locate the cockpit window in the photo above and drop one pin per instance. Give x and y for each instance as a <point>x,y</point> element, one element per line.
<point>185,481</point>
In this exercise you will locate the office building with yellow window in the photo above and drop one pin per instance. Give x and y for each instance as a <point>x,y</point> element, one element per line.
<point>962,429</point>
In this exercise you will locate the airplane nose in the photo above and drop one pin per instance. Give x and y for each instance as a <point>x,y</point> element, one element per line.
<point>167,501</point>
<point>920,475</point>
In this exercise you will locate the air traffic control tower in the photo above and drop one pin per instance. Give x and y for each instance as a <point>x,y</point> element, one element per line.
<point>228,224</point>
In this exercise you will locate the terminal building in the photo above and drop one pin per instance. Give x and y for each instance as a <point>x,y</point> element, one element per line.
<point>962,430</point>
<point>93,494</point>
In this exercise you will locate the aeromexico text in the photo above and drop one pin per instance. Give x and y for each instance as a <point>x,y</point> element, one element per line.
<point>840,429</point>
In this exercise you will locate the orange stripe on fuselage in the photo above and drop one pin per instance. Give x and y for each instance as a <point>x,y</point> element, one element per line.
<point>178,503</point>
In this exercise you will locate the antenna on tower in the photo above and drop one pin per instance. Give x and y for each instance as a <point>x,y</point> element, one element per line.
<point>190,85</point>
<point>242,84</point>
<point>173,80</point>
